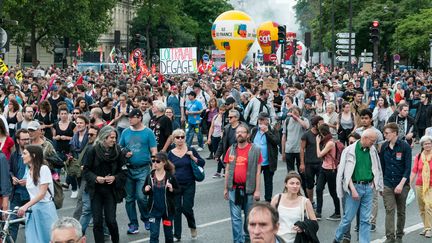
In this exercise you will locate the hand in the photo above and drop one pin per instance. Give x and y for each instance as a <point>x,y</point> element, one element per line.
<point>169,186</point>
<point>355,195</point>
<point>22,182</point>
<point>226,194</point>
<point>398,189</point>
<point>57,137</point>
<point>297,229</point>
<point>256,195</point>
<point>147,188</point>
<point>318,139</point>
<point>109,179</point>
<point>22,210</point>
<point>187,112</point>
<point>302,168</point>
<point>15,180</point>
<point>283,157</point>
<point>208,141</point>
<point>129,154</point>
<point>409,136</point>
<point>100,179</point>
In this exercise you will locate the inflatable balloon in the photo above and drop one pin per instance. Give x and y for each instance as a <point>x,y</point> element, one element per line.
<point>267,35</point>
<point>234,32</point>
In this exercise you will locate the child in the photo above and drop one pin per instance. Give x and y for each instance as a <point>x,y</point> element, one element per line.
<point>161,186</point>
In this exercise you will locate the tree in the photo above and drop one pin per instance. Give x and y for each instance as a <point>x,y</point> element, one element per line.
<point>412,35</point>
<point>47,21</point>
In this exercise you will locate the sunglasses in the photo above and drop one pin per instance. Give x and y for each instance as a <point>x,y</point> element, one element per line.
<point>156,161</point>
<point>180,137</point>
<point>91,134</point>
<point>76,113</point>
<point>231,117</point>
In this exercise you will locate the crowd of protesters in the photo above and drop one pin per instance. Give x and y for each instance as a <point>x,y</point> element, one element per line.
<point>109,137</point>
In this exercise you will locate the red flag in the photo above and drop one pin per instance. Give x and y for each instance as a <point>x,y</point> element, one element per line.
<point>141,66</point>
<point>79,52</point>
<point>210,65</point>
<point>201,67</point>
<point>146,71</point>
<point>161,79</point>
<point>79,80</point>
<point>124,66</point>
<point>132,61</point>
<point>153,69</point>
<point>223,67</point>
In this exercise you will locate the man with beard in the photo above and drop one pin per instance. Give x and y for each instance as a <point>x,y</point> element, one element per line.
<point>242,180</point>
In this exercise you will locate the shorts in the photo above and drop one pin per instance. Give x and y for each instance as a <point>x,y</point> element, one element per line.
<point>311,172</point>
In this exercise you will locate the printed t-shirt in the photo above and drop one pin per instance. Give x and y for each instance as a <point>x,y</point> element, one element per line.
<point>240,170</point>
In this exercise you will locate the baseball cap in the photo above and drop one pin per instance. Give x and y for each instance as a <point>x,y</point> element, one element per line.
<point>33,125</point>
<point>136,112</point>
<point>308,101</point>
<point>229,101</point>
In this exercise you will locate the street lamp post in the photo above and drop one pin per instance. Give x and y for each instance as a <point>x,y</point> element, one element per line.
<point>349,39</point>
<point>333,36</point>
<point>430,49</point>
<point>320,32</point>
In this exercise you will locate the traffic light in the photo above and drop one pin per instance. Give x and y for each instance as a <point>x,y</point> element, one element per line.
<point>374,32</point>
<point>281,34</point>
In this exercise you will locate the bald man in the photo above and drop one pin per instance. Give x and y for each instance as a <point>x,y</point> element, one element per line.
<point>359,173</point>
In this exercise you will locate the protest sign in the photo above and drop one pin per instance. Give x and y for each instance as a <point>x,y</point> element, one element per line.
<point>178,60</point>
<point>270,84</point>
<point>218,58</point>
<point>3,67</point>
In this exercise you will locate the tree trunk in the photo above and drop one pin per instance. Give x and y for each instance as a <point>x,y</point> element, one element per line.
<point>33,48</point>
<point>147,34</point>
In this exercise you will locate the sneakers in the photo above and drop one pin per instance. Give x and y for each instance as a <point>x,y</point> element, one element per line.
<point>334,217</point>
<point>177,239</point>
<point>194,233</point>
<point>199,149</point>
<point>132,230</point>
<point>318,216</point>
<point>428,234</point>
<point>217,175</point>
<point>147,225</point>
<point>373,228</point>
<point>74,194</point>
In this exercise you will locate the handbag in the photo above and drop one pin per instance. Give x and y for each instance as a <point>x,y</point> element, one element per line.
<point>73,167</point>
<point>198,171</point>
<point>58,194</point>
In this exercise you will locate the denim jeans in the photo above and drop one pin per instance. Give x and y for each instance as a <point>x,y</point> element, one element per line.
<point>184,202</point>
<point>86,214</point>
<point>191,129</point>
<point>134,184</point>
<point>365,193</point>
<point>268,182</point>
<point>155,228</point>
<point>239,228</point>
<point>15,202</point>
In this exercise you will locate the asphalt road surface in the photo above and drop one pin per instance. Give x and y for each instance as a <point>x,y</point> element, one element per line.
<point>213,218</point>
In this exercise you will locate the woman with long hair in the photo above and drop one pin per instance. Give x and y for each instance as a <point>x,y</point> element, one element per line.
<point>292,207</point>
<point>105,175</point>
<point>211,112</point>
<point>399,93</point>
<point>161,186</point>
<point>122,113</point>
<point>214,137</point>
<point>45,118</point>
<point>326,149</point>
<point>108,110</point>
<point>421,178</point>
<point>41,190</point>
<point>13,116</point>
<point>320,104</point>
<point>169,112</point>
<point>346,123</point>
<point>381,113</point>
<point>81,103</point>
<point>158,94</point>
<point>182,156</point>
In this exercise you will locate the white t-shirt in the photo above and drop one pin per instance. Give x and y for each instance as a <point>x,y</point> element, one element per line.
<point>45,178</point>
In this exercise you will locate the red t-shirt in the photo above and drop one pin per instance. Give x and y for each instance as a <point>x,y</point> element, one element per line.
<point>241,164</point>
<point>418,168</point>
<point>7,148</point>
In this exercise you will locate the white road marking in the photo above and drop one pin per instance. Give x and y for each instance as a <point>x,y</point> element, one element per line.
<point>407,230</point>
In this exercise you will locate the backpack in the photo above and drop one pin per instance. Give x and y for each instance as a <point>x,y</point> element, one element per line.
<point>58,194</point>
<point>339,148</point>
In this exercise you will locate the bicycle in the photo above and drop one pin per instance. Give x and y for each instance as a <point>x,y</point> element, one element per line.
<point>5,236</point>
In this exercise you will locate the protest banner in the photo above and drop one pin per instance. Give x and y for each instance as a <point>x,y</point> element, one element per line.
<point>270,84</point>
<point>3,67</point>
<point>218,57</point>
<point>178,60</point>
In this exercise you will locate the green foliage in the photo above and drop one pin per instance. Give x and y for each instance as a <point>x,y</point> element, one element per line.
<point>404,24</point>
<point>176,23</point>
<point>47,21</point>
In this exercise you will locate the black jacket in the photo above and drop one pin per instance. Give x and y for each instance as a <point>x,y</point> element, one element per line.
<point>309,234</point>
<point>410,126</point>
<point>169,196</point>
<point>428,109</point>
<point>224,142</point>
<point>272,146</point>
<point>92,169</point>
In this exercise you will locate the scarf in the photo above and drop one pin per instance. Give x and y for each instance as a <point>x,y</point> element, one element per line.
<point>75,143</point>
<point>107,154</point>
<point>426,177</point>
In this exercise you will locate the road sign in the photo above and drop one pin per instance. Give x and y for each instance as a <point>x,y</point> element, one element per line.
<point>206,57</point>
<point>345,35</point>
<point>344,58</point>
<point>343,47</point>
<point>3,38</point>
<point>345,41</point>
<point>365,59</point>
<point>367,54</point>
<point>396,58</point>
<point>345,52</point>
<point>273,57</point>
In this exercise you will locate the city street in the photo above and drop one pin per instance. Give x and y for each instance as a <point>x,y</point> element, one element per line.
<point>212,214</point>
